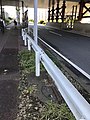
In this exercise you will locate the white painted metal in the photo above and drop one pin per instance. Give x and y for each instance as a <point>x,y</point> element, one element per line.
<point>78,105</point>
<point>35,20</point>
<point>29,44</point>
<point>71,63</point>
<point>25,39</point>
<point>37,63</point>
<point>35,38</point>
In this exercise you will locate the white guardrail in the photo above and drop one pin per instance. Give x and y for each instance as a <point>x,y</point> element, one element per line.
<point>76,102</point>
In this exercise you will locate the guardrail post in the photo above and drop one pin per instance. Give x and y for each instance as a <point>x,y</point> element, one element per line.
<point>22,32</point>
<point>37,63</point>
<point>29,44</point>
<point>25,39</point>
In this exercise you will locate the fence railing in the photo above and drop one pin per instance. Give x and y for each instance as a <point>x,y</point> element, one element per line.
<point>75,101</point>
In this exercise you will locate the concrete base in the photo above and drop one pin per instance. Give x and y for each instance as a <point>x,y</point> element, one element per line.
<point>57,25</point>
<point>81,27</point>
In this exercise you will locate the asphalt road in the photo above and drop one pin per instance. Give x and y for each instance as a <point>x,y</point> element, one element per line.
<point>73,46</point>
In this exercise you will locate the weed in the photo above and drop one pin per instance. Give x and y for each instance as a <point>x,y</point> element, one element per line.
<point>54,111</point>
<point>27,62</point>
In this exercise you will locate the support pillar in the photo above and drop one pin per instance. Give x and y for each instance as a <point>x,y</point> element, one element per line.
<point>76,12</point>
<point>82,3</point>
<point>18,12</point>
<point>72,18</point>
<point>49,1</point>
<point>52,10</point>
<point>57,12</point>
<point>63,11</point>
<point>72,12</point>
<point>1,14</point>
<point>22,11</point>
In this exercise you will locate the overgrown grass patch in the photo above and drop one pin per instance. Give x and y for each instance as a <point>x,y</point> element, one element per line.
<point>27,62</point>
<point>55,111</point>
<point>31,107</point>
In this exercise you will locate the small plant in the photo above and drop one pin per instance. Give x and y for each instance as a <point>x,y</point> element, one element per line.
<point>32,89</point>
<point>27,62</point>
<point>7,21</point>
<point>31,20</point>
<point>41,22</point>
<point>54,111</point>
<point>10,18</point>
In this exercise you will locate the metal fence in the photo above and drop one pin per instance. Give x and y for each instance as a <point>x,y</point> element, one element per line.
<point>75,101</point>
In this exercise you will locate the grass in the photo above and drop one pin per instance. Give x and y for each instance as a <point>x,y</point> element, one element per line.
<point>55,111</point>
<point>27,62</point>
<point>48,111</point>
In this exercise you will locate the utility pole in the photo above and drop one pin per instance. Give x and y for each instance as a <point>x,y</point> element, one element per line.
<point>35,20</point>
<point>37,56</point>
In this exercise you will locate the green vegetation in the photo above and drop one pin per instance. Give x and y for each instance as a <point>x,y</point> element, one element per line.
<point>31,20</point>
<point>27,62</point>
<point>41,22</point>
<point>31,107</point>
<point>8,20</point>
<point>55,111</point>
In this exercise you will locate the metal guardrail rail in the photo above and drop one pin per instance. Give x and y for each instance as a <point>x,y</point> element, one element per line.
<point>67,60</point>
<point>76,102</point>
<point>62,56</point>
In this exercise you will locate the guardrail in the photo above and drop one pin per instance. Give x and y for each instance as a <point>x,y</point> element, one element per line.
<point>75,101</point>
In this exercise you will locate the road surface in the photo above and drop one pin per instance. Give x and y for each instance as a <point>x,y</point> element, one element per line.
<point>73,46</point>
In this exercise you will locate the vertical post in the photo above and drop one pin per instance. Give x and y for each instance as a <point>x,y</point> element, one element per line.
<point>25,39</point>
<point>52,10</point>
<point>57,12</point>
<point>72,12</point>
<point>18,12</point>
<point>72,16</point>
<point>35,38</point>
<point>63,11</point>
<point>1,9</point>
<point>35,20</point>
<point>37,64</point>
<point>29,44</point>
<point>49,1</point>
<point>22,11</point>
<point>75,12</point>
<point>82,3</point>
